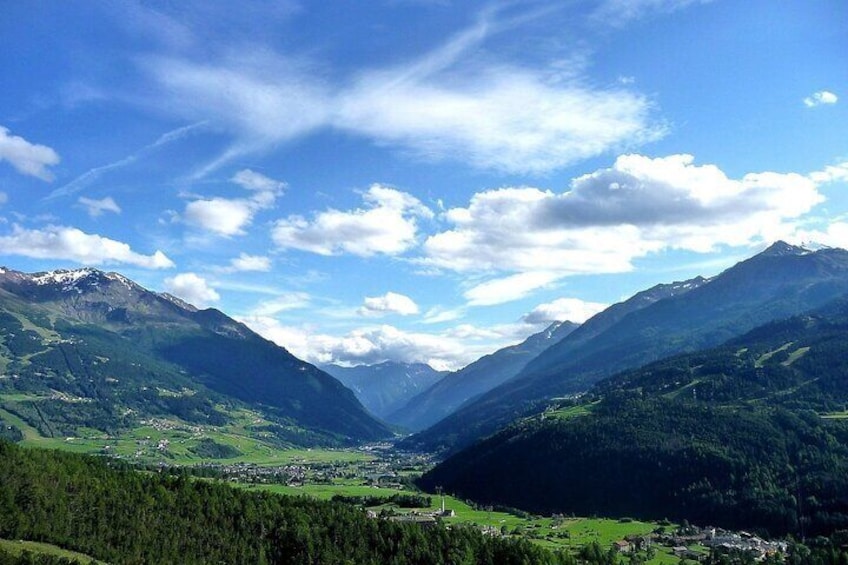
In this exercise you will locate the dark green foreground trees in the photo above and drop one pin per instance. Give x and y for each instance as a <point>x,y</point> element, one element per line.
<point>123,516</point>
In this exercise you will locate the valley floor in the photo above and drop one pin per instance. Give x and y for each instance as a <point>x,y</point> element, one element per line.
<point>372,477</point>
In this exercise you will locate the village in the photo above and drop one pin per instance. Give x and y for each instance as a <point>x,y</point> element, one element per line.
<point>376,483</point>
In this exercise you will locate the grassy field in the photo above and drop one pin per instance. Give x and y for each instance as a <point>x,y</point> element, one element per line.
<point>171,441</point>
<point>18,546</point>
<point>569,533</point>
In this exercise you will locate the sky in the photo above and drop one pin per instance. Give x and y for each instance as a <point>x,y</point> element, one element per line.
<point>414,180</point>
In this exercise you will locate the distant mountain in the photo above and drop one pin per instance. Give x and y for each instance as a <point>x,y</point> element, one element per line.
<point>781,281</point>
<point>385,387</point>
<point>84,348</point>
<point>749,435</point>
<point>486,373</point>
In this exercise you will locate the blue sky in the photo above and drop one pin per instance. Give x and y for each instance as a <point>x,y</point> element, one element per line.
<point>418,180</point>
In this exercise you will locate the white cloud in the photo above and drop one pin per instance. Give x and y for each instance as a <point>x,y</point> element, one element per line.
<point>375,344</point>
<point>507,289</point>
<point>257,181</point>
<point>438,315</point>
<point>562,310</point>
<point>822,97</point>
<point>619,12</point>
<point>831,173</point>
<point>59,242</point>
<point>245,262</point>
<point>389,303</point>
<point>610,217</point>
<point>27,158</point>
<point>387,225</point>
<point>192,288</point>
<point>445,104</point>
<point>96,208</point>
<point>229,216</point>
<point>93,175</point>
<point>510,119</point>
<point>282,303</point>
<point>220,215</point>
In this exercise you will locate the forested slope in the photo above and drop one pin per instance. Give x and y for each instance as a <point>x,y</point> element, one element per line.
<point>749,435</point>
<point>123,516</point>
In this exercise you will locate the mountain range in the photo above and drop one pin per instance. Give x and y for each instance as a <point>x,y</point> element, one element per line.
<point>752,434</point>
<point>455,389</point>
<point>88,349</point>
<point>386,387</point>
<point>782,281</point>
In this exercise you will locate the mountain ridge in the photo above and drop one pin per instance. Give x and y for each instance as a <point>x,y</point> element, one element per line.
<point>459,387</point>
<point>386,387</point>
<point>782,281</point>
<point>101,336</point>
<point>748,435</point>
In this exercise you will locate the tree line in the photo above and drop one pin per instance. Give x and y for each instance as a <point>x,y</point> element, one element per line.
<point>106,510</point>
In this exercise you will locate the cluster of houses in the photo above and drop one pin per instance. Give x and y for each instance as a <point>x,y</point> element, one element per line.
<point>686,542</point>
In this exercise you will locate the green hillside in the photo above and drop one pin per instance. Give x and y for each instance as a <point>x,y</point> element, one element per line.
<point>85,352</point>
<point>748,435</point>
<point>780,282</point>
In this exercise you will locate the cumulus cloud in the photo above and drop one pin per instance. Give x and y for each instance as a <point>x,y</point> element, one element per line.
<point>27,158</point>
<point>96,208</point>
<point>60,242</point>
<point>611,216</point>
<point>245,262</point>
<point>387,225</point>
<point>229,216</point>
<point>445,104</point>
<point>562,310</point>
<point>822,97</point>
<point>192,288</point>
<point>375,344</point>
<point>389,303</point>
<point>220,215</point>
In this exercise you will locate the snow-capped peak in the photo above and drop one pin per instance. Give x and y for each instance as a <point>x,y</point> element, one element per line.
<point>68,278</point>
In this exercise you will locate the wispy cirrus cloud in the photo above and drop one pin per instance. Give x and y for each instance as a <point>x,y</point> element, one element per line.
<point>562,310</point>
<point>507,289</point>
<point>91,176</point>
<point>617,13</point>
<point>443,105</point>
<point>95,208</point>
